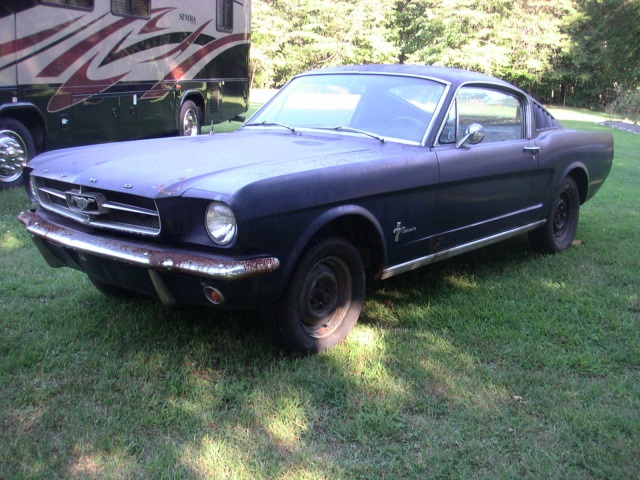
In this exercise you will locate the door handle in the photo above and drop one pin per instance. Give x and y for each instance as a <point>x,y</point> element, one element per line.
<point>533,149</point>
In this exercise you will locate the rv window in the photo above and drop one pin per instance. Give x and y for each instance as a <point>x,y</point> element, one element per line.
<point>134,8</point>
<point>225,15</point>
<point>86,4</point>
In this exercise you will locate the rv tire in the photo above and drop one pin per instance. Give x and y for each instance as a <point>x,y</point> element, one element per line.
<point>190,119</point>
<point>16,148</point>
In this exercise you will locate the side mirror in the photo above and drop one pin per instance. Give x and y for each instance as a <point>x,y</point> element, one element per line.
<point>473,135</point>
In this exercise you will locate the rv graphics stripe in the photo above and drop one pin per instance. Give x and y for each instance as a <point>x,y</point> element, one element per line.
<point>152,25</point>
<point>64,61</point>
<point>60,64</point>
<point>184,45</point>
<point>181,70</point>
<point>67,95</point>
<point>15,46</point>
<point>54,43</point>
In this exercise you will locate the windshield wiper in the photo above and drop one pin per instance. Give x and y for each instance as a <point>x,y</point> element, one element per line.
<point>342,128</point>
<point>271,124</point>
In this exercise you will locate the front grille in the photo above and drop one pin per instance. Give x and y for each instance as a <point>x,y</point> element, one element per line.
<point>99,208</point>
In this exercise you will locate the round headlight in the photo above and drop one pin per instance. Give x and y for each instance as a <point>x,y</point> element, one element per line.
<point>220,223</point>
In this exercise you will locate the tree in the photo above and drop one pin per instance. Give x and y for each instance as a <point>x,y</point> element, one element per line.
<point>291,36</point>
<point>605,49</point>
<point>515,40</point>
<point>563,51</point>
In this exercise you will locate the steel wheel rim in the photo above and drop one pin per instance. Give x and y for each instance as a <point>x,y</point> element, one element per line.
<point>13,156</point>
<point>561,217</point>
<point>325,297</point>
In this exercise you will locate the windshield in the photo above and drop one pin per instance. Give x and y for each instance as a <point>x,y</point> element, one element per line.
<point>388,106</point>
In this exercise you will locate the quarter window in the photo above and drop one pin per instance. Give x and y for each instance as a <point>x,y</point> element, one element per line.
<point>499,113</point>
<point>544,120</point>
<point>224,15</point>
<point>131,8</point>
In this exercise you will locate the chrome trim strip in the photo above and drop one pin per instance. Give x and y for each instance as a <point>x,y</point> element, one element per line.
<point>467,247</point>
<point>124,227</point>
<point>143,255</point>
<point>51,191</point>
<point>130,208</point>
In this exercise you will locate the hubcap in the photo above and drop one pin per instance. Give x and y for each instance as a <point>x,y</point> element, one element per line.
<point>13,156</point>
<point>190,123</point>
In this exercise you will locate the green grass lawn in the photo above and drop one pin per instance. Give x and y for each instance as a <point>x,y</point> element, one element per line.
<point>502,363</point>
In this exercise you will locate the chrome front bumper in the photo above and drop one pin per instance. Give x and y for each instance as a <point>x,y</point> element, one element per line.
<point>142,254</point>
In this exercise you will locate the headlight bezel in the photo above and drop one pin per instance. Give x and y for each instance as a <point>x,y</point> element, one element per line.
<point>220,223</point>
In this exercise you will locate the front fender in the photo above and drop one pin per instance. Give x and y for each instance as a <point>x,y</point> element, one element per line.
<point>335,221</point>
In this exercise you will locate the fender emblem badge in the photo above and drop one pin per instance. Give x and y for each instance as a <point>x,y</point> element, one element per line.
<point>400,230</point>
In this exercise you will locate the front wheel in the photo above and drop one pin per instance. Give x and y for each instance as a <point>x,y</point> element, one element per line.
<point>190,119</point>
<point>16,148</point>
<point>323,300</point>
<point>559,231</point>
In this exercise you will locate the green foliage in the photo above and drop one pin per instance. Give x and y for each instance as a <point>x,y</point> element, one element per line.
<point>605,49</point>
<point>563,51</point>
<point>627,105</point>
<point>516,41</point>
<point>293,36</point>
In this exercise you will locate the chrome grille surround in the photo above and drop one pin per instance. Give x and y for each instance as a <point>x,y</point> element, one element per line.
<point>99,208</point>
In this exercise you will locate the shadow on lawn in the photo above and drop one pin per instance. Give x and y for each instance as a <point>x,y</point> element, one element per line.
<point>200,392</point>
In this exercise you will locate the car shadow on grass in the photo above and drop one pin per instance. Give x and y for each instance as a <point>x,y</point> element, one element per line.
<point>146,390</point>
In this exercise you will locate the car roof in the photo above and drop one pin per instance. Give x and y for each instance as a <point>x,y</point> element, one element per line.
<point>454,76</point>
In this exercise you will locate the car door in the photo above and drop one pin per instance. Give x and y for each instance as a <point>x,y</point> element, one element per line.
<point>484,187</point>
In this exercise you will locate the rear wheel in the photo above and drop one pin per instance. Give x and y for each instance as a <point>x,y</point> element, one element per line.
<point>323,300</point>
<point>16,148</point>
<point>559,231</point>
<point>190,119</point>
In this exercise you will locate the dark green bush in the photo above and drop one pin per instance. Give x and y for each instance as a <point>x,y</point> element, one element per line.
<point>627,105</point>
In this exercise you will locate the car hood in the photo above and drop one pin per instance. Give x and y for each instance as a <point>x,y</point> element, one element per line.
<point>221,163</point>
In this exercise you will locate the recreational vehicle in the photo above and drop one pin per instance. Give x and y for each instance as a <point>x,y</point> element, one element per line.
<point>75,72</point>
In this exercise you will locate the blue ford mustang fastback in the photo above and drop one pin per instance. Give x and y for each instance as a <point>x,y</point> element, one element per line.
<point>347,174</point>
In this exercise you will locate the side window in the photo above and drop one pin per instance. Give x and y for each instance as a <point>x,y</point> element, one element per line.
<point>499,113</point>
<point>131,8</point>
<point>224,15</point>
<point>84,4</point>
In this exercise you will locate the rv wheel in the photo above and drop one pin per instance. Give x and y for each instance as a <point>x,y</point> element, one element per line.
<point>16,148</point>
<point>190,119</point>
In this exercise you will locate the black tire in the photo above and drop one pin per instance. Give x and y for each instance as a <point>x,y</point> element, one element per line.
<point>190,119</point>
<point>558,232</point>
<point>323,301</point>
<point>16,146</point>
<point>110,290</point>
